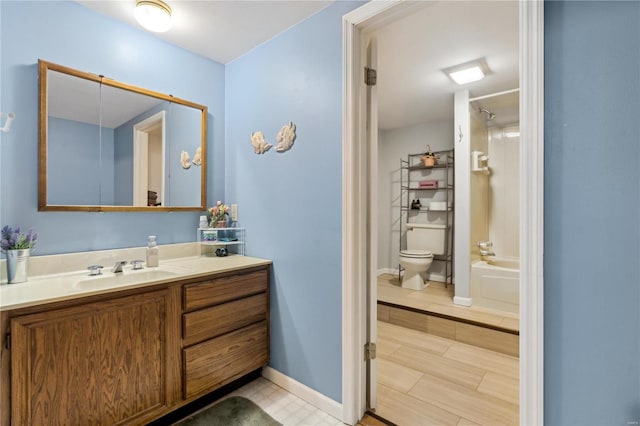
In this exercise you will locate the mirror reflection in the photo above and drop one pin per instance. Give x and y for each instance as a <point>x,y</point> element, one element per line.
<point>110,146</point>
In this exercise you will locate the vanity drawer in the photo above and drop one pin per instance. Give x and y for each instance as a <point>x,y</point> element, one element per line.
<point>220,290</point>
<point>218,361</point>
<point>220,319</point>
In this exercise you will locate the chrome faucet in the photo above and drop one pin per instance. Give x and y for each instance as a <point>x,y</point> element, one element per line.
<point>118,266</point>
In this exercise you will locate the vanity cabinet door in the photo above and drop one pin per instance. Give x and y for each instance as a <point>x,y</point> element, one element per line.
<point>105,362</point>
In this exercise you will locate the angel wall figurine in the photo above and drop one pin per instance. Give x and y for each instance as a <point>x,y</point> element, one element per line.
<point>197,157</point>
<point>285,137</point>
<point>184,160</point>
<point>260,145</point>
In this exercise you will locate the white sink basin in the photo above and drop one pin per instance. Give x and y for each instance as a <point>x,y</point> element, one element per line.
<point>110,279</point>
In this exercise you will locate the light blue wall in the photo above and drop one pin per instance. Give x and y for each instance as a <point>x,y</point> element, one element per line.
<point>79,153</point>
<point>67,33</point>
<point>291,202</point>
<point>592,213</point>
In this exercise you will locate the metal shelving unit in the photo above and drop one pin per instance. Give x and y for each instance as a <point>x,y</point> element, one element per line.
<point>442,171</point>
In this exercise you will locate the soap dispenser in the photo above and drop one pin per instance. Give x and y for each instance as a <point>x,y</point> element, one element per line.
<point>152,252</point>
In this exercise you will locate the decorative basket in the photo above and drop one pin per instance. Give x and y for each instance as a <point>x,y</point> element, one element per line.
<point>429,158</point>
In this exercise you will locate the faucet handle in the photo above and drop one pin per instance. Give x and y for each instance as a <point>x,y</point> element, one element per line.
<point>95,269</point>
<point>137,264</point>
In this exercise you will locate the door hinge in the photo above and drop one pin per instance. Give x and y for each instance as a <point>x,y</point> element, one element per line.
<point>370,76</point>
<point>7,340</point>
<point>369,351</point>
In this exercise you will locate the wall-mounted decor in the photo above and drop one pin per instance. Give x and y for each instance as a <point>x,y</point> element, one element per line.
<point>184,160</point>
<point>285,137</point>
<point>197,157</point>
<point>7,123</point>
<point>260,145</point>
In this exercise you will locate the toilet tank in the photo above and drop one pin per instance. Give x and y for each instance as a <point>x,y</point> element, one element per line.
<point>423,236</point>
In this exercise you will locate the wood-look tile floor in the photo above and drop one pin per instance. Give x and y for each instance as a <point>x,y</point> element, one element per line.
<point>436,298</point>
<point>429,380</point>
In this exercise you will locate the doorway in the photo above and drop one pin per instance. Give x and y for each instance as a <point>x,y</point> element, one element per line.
<point>357,263</point>
<point>148,161</point>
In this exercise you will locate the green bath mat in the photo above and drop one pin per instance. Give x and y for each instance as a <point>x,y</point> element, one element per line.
<point>235,411</point>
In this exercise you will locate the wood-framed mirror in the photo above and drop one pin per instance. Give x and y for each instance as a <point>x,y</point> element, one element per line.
<point>104,145</point>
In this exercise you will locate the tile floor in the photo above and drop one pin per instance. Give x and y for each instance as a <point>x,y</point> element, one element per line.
<point>283,406</point>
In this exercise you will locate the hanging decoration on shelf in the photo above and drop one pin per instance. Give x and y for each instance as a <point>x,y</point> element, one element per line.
<point>429,158</point>
<point>260,145</point>
<point>285,137</point>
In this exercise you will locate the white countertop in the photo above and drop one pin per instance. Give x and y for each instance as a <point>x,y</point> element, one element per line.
<point>71,285</point>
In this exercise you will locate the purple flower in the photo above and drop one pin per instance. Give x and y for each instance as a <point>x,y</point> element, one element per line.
<point>13,239</point>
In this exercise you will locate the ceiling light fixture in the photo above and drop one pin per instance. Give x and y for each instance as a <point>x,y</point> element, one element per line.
<point>468,75</point>
<point>468,72</point>
<point>154,15</point>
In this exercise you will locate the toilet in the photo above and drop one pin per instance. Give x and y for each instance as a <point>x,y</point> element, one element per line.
<point>423,242</point>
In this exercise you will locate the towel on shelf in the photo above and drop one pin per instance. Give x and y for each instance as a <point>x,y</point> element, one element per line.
<point>428,183</point>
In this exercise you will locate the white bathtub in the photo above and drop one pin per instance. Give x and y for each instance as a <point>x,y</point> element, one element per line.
<point>495,284</point>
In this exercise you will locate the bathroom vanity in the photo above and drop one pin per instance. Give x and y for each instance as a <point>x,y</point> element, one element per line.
<point>129,349</point>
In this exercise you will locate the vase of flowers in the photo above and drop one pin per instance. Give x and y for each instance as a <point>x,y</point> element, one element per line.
<point>218,215</point>
<point>17,247</point>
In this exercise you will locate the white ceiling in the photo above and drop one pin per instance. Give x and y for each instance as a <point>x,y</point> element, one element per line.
<point>412,51</point>
<point>220,30</point>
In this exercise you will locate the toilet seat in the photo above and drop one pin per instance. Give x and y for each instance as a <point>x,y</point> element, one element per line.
<point>416,254</point>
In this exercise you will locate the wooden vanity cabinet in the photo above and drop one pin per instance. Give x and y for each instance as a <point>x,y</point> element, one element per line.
<point>132,356</point>
<point>107,362</point>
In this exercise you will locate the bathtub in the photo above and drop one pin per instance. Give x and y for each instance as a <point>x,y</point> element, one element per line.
<point>495,284</point>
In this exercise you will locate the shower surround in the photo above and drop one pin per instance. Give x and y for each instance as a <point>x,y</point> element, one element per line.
<point>494,280</point>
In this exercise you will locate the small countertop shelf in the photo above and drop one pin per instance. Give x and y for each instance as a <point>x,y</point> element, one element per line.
<point>221,237</point>
<point>220,243</point>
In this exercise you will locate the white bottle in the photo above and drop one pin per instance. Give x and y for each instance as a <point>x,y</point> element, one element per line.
<point>152,252</point>
<point>203,222</point>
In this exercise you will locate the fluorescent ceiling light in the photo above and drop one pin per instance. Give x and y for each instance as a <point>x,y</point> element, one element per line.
<point>154,15</point>
<point>467,75</point>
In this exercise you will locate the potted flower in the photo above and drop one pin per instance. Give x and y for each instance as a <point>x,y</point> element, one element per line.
<point>17,246</point>
<point>218,215</point>
<point>429,158</point>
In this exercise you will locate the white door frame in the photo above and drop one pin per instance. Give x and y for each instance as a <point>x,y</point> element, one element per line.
<point>355,207</point>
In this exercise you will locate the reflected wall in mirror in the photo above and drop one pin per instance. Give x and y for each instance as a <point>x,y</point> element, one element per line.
<point>109,146</point>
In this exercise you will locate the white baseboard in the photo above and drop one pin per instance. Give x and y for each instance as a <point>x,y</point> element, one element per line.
<point>387,271</point>
<point>303,392</point>
<point>464,301</point>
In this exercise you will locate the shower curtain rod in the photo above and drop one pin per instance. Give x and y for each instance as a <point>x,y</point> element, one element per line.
<point>506,92</point>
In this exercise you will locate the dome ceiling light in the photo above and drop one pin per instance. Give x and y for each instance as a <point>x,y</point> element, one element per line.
<point>154,15</point>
